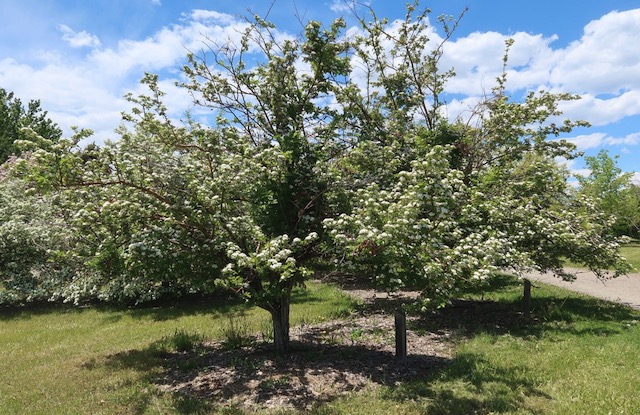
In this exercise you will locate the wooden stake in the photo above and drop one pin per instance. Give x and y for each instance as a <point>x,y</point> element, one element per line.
<point>401,334</point>
<point>527,298</point>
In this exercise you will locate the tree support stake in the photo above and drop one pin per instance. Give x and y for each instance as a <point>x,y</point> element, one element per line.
<point>401,334</point>
<point>527,298</point>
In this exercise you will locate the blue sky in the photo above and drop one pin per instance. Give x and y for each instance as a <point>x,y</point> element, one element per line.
<point>80,57</point>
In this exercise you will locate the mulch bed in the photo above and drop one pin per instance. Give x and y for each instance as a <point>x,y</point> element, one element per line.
<point>327,360</point>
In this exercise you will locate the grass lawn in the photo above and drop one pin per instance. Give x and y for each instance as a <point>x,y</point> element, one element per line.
<point>57,360</point>
<point>630,251</point>
<point>578,356</point>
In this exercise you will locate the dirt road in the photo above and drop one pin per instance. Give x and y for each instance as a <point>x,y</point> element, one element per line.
<point>625,290</point>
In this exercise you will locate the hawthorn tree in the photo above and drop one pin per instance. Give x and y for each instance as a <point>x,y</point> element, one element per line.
<point>323,145</point>
<point>192,207</point>
<point>29,223</point>
<point>439,205</point>
<point>32,229</point>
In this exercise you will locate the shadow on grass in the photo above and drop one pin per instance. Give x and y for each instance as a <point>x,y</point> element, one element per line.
<point>213,376</point>
<point>553,311</point>
<point>157,311</point>
<point>162,310</point>
<point>459,389</point>
<point>464,388</point>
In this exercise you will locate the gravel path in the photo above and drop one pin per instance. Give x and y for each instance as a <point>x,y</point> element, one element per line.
<point>625,290</point>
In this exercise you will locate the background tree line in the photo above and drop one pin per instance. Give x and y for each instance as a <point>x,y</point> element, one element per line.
<point>614,191</point>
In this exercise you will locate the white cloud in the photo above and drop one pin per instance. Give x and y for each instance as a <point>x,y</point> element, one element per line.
<point>211,16</point>
<point>156,2</point>
<point>78,39</point>
<point>477,60</point>
<point>346,6</point>
<point>170,45</point>
<point>581,172</point>
<point>154,53</point>
<point>603,66</point>
<point>636,178</point>
<point>603,111</point>
<point>629,140</point>
<point>464,109</point>
<point>339,6</point>
<point>587,141</point>
<point>605,60</point>
<point>595,140</point>
<point>72,96</point>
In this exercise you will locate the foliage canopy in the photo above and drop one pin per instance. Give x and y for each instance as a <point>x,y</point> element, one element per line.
<point>613,192</point>
<point>18,122</point>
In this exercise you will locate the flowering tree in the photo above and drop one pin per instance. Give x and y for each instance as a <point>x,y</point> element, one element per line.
<point>323,145</point>
<point>32,229</point>
<point>439,205</point>
<point>191,207</point>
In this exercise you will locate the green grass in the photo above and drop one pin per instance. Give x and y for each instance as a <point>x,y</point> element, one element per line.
<point>630,251</point>
<point>578,356</point>
<point>632,254</point>
<point>60,360</point>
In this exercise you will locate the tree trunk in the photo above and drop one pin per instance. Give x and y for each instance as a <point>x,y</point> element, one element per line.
<point>280,318</point>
